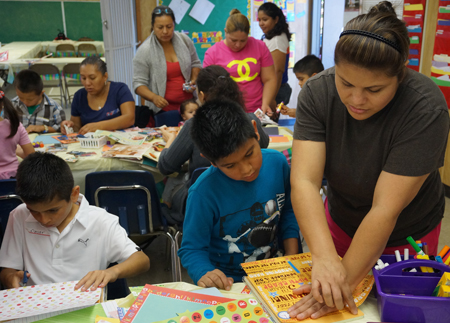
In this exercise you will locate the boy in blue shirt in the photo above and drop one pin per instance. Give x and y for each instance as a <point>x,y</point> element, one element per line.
<point>239,207</point>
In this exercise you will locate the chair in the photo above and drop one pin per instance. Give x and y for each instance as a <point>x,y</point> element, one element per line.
<point>85,50</point>
<point>51,77</point>
<point>132,196</point>
<point>66,50</point>
<point>167,118</point>
<point>8,202</point>
<point>71,76</point>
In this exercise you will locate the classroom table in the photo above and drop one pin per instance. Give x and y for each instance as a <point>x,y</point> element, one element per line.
<point>50,46</point>
<point>280,146</point>
<point>22,49</point>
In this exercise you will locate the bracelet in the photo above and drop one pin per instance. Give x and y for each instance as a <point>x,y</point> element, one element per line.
<point>45,129</point>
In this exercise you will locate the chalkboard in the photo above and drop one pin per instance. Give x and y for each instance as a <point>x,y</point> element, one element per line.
<point>215,22</point>
<point>30,20</point>
<point>83,19</point>
<point>42,20</point>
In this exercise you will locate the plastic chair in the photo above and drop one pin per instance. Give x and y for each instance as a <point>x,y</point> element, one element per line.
<point>71,76</point>
<point>168,118</point>
<point>51,77</point>
<point>132,196</point>
<point>85,50</point>
<point>8,202</point>
<point>66,50</point>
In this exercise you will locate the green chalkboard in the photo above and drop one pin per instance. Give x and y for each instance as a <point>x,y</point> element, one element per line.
<point>215,22</point>
<point>83,19</point>
<point>30,20</point>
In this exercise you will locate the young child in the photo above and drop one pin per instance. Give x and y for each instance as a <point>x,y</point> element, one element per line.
<point>12,133</point>
<point>305,68</point>
<point>238,209</point>
<point>39,113</point>
<point>188,109</point>
<point>57,236</point>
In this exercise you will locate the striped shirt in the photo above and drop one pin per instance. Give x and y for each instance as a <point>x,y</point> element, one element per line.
<point>48,113</point>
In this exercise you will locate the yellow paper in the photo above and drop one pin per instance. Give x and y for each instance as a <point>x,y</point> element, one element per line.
<point>414,7</point>
<point>100,319</point>
<point>206,46</point>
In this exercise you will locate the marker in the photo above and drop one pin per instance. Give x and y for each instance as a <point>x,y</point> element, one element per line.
<point>447,260</point>
<point>444,251</point>
<point>279,107</point>
<point>425,269</point>
<point>380,263</point>
<point>25,278</point>
<point>439,259</point>
<point>425,247</point>
<point>397,256</point>
<point>415,246</point>
<point>406,257</point>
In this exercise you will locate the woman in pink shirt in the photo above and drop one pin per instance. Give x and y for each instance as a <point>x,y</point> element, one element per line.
<point>12,133</point>
<point>248,61</point>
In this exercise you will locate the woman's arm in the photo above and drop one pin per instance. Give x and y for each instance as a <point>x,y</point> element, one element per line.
<point>157,100</point>
<point>279,62</point>
<point>125,120</point>
<point>268,78</point>
<point>329,276</point>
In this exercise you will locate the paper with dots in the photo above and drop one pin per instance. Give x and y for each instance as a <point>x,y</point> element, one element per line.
<point>41,299</point>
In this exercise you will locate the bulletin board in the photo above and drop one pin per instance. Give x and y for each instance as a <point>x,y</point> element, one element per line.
<point>214,23</point>
<point>42,20</point>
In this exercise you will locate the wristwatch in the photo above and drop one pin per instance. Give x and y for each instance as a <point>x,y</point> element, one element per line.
<point>45,129</point>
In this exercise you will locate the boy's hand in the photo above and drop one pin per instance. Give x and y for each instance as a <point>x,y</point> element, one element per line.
<point>216,278</point>
<point>287,111</point>
<point>97,279</point>
<point>35,128</point>
<point>12,278</point>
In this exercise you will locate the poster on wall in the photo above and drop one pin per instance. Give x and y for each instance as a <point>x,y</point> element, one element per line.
<point>440,67</point>
<point>351,5</point>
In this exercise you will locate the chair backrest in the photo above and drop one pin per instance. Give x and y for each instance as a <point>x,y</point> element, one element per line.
<point>8,202</point>
<point>168,118</point>
<point>65,48</point>
<point>131,195</point>
<point>49,73</point>
<point>85,50</point>
<point>72,68</point>
<point>196,174</point>
<point>71,74</point>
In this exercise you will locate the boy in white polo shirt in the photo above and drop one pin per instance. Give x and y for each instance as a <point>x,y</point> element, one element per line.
<point>57,236</point>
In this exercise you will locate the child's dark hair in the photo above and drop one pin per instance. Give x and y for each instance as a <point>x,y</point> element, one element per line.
<point>273,11</point>
<point>160,11</point>
<point>42,176</point>
<point>215,82</point>
<point>10,113</point>
<point>221,127</point>
<point>27,81</point>
<point>377,40</point>
<point>97,62</point>
<point>185,103</point>
<point>309,65</point>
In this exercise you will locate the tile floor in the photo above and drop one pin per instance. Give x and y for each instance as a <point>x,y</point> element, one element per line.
<point>160,265</point>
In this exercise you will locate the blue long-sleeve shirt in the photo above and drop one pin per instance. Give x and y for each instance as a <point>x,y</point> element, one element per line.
<point>229,222</point>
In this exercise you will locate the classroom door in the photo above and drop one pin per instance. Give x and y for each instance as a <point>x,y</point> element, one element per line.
<point>119,25</point>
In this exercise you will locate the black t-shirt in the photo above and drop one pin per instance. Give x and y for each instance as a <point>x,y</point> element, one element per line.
<point>408,137</point>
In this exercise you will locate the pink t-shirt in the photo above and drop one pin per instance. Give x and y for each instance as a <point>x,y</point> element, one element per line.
<point>8,158</point>
<point>244,67</point>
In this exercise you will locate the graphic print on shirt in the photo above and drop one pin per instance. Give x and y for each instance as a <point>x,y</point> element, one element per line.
<point>255,237</point>
<point>243,64</point>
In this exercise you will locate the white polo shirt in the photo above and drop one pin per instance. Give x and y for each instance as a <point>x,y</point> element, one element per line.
<point>91,241</point>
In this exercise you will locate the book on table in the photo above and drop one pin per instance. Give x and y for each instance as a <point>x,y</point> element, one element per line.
<point>272,281</point>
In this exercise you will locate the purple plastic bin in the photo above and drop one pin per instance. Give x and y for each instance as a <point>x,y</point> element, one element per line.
<point>406,297</point>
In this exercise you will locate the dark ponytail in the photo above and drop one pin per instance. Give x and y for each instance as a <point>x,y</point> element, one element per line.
<point>10,113</point>
<point>273,11</point>
<point>215,82</point>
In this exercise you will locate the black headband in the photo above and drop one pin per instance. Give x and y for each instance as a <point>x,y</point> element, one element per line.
<point>371,35</point>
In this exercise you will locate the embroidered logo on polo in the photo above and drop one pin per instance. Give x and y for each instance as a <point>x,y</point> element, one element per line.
<point>243,64</point>
<point>113,112</point>
<point>83,241</point>
<point>38,232</point>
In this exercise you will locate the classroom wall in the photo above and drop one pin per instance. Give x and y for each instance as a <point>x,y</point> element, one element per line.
<point>333,23</point>
<point>42,20</point>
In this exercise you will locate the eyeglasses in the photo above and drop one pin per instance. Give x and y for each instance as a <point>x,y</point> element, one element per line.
<point>167,11</point>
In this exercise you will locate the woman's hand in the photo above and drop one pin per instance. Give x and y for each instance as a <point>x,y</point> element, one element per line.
<point>160,102</point>
<point>68,123</point>
<point>329,288</point>
<point>266,109</point>
<point>90,127</point>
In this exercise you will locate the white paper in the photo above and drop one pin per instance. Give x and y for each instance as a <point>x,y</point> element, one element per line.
<point>179,8</point>
<point>201,10</point>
